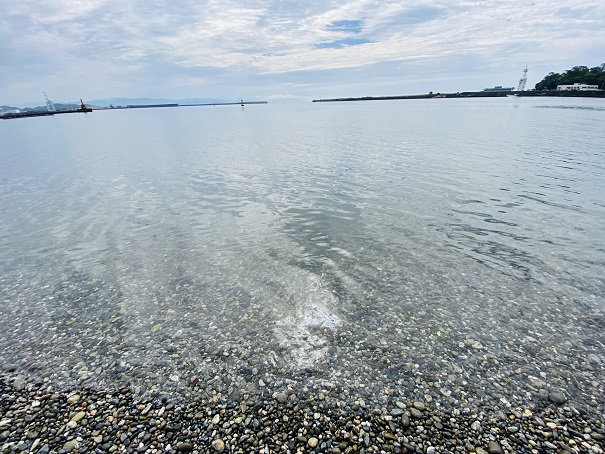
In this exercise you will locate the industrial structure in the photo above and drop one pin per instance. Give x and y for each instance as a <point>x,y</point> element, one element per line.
<point>50,106</point>
<point>499,88</point>
<point>523,80</point>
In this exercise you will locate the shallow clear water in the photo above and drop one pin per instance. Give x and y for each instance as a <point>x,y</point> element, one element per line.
<point>435,246</point>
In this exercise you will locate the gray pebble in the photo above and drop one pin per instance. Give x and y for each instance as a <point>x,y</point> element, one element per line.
<point>282,398</point>
<point>218,445</point>
<point>419,406</point>
<point>494,448</point>
<point>416,413</point>
<point>184,447</point>
<point>557,398</point>
<point>405,421</point>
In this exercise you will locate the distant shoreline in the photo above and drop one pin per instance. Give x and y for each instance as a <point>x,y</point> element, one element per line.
<point>44,113</point>
<point>478,94</point>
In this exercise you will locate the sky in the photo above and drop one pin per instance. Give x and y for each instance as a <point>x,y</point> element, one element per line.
<point>287,49</point>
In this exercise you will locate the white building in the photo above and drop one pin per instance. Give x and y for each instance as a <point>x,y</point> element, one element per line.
<point>578,86</point>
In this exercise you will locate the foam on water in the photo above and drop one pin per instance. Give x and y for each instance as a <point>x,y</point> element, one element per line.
<point>308,313</point>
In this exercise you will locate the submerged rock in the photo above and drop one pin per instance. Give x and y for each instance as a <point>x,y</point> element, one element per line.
<point>557,398</point>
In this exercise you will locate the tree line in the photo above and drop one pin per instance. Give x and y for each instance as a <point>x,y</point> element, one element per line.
<point>577,74</point>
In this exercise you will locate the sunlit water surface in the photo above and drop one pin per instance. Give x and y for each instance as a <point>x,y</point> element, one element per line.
<point>435,247</point>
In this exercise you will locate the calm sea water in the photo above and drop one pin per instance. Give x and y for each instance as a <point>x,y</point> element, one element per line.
<point>347,242</point>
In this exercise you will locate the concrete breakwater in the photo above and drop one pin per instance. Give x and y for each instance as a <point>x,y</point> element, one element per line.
<point>476,94</point>
<point>44,113</point>
<point>27,114</point>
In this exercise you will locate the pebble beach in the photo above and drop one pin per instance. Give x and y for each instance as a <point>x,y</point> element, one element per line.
<point>37,419</point>
<point>308,384</point>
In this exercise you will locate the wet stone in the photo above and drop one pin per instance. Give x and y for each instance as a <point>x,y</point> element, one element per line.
<point>419,406</point>
<point>218,445</point>
<point>494,448</point>
<point>557,398</point>
<point>73,399</point>
<point>416,413</point>
<point>70,445</point>
<point>71,424</point>
<point>78,416</point>
<point>184,447</point>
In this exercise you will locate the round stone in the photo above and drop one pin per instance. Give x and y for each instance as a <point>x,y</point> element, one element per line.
<point>416,413</point>
<point>494,448</point>
<point>184,447</point>
<point>313,442</point>
<point>419,406</point>
<point>79,416</point>
<point>71,445</point>
<point>557,398</point>
<point>218,445</point>
<point>72,424</point>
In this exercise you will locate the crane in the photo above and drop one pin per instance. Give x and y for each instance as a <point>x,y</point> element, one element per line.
<point>50,106</point>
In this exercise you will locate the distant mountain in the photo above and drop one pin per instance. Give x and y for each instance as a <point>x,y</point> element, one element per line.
<point>204,100</point>
<point>66,106</point>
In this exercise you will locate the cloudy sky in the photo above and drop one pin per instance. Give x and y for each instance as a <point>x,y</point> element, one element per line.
<point>287,49</point>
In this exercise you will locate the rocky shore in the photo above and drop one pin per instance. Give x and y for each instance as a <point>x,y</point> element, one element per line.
<point>36,418</point>
<point>483,376</point>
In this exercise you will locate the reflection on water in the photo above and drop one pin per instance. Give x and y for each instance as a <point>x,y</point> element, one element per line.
<point>359,246</point>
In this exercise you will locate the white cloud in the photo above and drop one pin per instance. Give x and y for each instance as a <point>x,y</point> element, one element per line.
<point>164,48</point>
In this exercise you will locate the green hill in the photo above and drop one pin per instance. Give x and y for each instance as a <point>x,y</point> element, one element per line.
<point>577,74</point>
